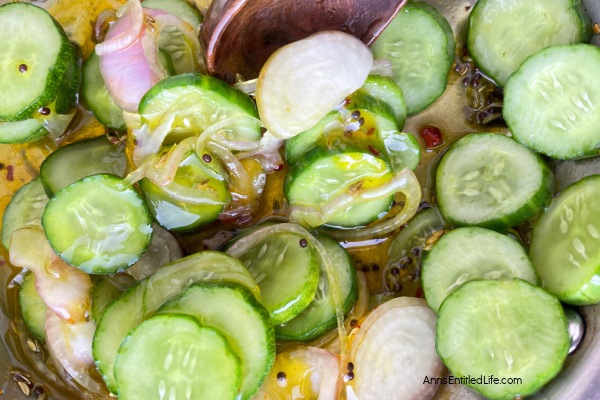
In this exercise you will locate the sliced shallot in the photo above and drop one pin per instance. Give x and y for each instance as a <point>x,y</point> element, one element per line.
<point>393,352</point>
<point>304,80</point>
<point>129,56</point>
<point>64,288</point>
<point>70,346</point>
<point>124,33</point>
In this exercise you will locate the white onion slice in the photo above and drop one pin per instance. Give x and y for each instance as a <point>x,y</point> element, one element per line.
<point>300,366</point>
<point>162,250</point>
<point>70,346</point>
<point>64,288</point>
<point>303,81</point>
<point>394,350</point>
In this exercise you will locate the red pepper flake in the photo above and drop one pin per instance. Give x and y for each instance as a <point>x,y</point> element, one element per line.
<point>374,151</point>
<point>419,293</point>
<point>371,131</point>
<point>432,136</point>
<point>279,167</point>
<point>10,173</point>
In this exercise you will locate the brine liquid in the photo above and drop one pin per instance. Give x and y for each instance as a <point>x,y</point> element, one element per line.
<point>470,104</point>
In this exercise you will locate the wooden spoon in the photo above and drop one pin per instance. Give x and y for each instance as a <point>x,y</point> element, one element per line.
<point>239,35</point>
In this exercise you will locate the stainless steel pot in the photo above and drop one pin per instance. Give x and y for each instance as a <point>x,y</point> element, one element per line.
<point>580,378</point>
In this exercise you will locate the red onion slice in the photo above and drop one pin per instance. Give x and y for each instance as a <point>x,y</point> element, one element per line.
<point>64,288</point>
<point>125,31</point>
<point>70,346</point>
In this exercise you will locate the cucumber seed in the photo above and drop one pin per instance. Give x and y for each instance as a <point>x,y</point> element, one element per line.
<point>22,68</point>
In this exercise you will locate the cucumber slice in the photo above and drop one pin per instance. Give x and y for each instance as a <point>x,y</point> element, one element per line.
<point>286,269</point>
<point>368,129</point>
<point>198,100</point>
<point>466,254</point>
<point>245,324</point>
<point>534,25</point>
<point>96,97</point>
<point>78,160</point>
<point>117,320</point>
<point>69,86</point>
<point>98,224</point>
<point>24,210</point>
<point>33,309</point>
<point>179,8</point>
<point>172,279</point>
<point>36,52</point>
<point>196,196</point>
<point>384,88</point>
<point>28,130</point>
<point>321,176</point>
<point>408,247</point>
<point>35,128</point>
<point>528,342</point>
<point>109,288</point>
<point>490,180</point>
<point>320,317</point>
<point>551,104</point>
<point>420,45</point>
<point>565,243</point>
<point>174,354</point>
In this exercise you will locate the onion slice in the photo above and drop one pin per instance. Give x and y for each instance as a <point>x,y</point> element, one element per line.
<point>70,346</point>
<point>394,350</point>
<point>310,373</point>
<point>126,31</point>
<point>64,288</point>
<point>404,182</point>
<point>303,81</point>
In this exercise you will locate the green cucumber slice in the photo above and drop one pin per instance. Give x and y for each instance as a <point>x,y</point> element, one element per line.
<point>25,209</point>
<point>198,101</point>
<point>386,89</point>
<point>109,288</point>
<point>69,86</point>
<point>408,247</point>
<point>173,278</point>
<point>367,130</point>
<point>491,181</point>
<point>551,104</point>
<point>35,128</point>
<point>179,8</point>
<point>96,97</point>
<point>27,130</point>
<point>420,45</point>
<point>321,176</point>
<point>98,224</point>
<point>196,196</point>
<point>286,269</point>
<point>78,160</point>
<point>565,243</point>
<point>33,42</point>
<point>245,324</point>
<point>320,317</point>
<point>466,254</point>
<point>529,342</point>
<point>534,25</point>
<point>117,320</point>
<point>174,354</point>
<point>33,309</point>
